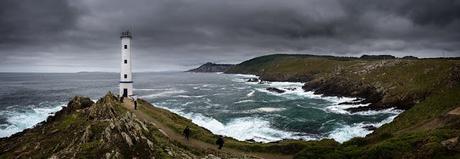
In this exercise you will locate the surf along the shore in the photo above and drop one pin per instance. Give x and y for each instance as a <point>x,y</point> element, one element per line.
<point>248,111</point>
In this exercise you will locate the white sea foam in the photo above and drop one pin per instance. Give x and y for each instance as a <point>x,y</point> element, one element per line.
<point>250,94</point>
<point>244,101</point>
<point>285,84</point>
<point>246,75</point>
<point>341,108</point>
<point>346,132</point>
<point>187,103</point>
<point>265,110</point>
<point>242,128</point>
<point>293,90</point>
<point>164,93</point>
<point>244,78</point>
<point>18,121</point>
<point>189,96</point>
<point>150,89</point>
<point>260,130</point>
<point>384,111</point>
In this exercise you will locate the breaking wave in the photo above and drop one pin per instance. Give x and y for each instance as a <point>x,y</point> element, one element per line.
<point>163,93</point>
<point>346,132</point>
<point>20,120</point>
<point>244,128</point>
<point>258,129</point>
<point>265,110</point>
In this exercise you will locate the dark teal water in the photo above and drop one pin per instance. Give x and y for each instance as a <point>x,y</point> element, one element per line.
<point>225,104</point>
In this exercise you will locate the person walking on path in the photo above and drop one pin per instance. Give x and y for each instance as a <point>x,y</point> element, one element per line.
<point>187,132</point>
<point>135,102</point>
<point>220,141</point>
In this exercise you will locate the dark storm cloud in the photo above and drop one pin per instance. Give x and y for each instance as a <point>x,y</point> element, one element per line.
<point>59,35</point>
<point>29,20</point>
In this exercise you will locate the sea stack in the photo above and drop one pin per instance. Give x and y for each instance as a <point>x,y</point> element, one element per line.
<point>126,78</point>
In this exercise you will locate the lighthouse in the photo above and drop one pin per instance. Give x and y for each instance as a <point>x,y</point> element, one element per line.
<point>126,77</point>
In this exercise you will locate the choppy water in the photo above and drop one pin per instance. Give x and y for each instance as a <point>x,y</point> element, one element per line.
<point>225,104</point>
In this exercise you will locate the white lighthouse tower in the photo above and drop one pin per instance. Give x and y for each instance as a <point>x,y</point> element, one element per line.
<point>126,77</point>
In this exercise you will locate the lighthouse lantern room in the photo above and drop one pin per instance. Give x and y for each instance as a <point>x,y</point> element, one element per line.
<point>126,78</point>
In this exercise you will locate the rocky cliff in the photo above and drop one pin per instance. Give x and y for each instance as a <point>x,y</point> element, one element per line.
<point>212,67</point>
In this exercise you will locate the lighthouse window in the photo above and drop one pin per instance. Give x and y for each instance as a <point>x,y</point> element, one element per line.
<point>126,76</point>
<point>126,46</point>
<point>126,61</point>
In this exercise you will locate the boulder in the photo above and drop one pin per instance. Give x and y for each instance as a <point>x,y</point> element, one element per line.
<point>450,143</point>
<point>276,90</point>
<point>264,82</point>
<point>291,88</point>
<point>370,127</point>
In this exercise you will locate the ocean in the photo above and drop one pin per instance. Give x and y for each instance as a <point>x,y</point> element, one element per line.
<point>226,104</point>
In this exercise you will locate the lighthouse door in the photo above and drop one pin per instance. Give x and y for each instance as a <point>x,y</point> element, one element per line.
<point>125,92</point>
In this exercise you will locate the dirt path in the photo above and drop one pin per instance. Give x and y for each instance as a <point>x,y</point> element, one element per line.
<point>172,135</point>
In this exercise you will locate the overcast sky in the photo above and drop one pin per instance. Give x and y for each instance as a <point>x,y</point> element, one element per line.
<point>83,35</point>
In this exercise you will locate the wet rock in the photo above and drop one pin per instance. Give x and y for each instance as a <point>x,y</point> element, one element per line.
<point>170,153</point>
<point>107,132</point>
<point>253,80</point>
<point>107,155</point>
<point>150,143</point>
<point>86,135</point>
<point>79,102</point>
<point>450,143</point>
<point>211,156</point>
<point>276,90</point>
<point>370,127</point>
<point>127,139</point>
<point>264,82</point>
<point>54,131</point>
<point>291,88</point>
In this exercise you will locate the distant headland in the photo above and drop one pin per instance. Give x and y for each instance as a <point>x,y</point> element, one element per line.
<point>212,67</point>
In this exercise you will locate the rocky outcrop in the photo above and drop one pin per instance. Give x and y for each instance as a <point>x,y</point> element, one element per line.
<point>451,143</point>
<point>85,129</point>
<point>212,67</point>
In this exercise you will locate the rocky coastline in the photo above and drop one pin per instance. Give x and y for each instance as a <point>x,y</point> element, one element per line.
<point>362,78</point>
<point>365,94</point>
